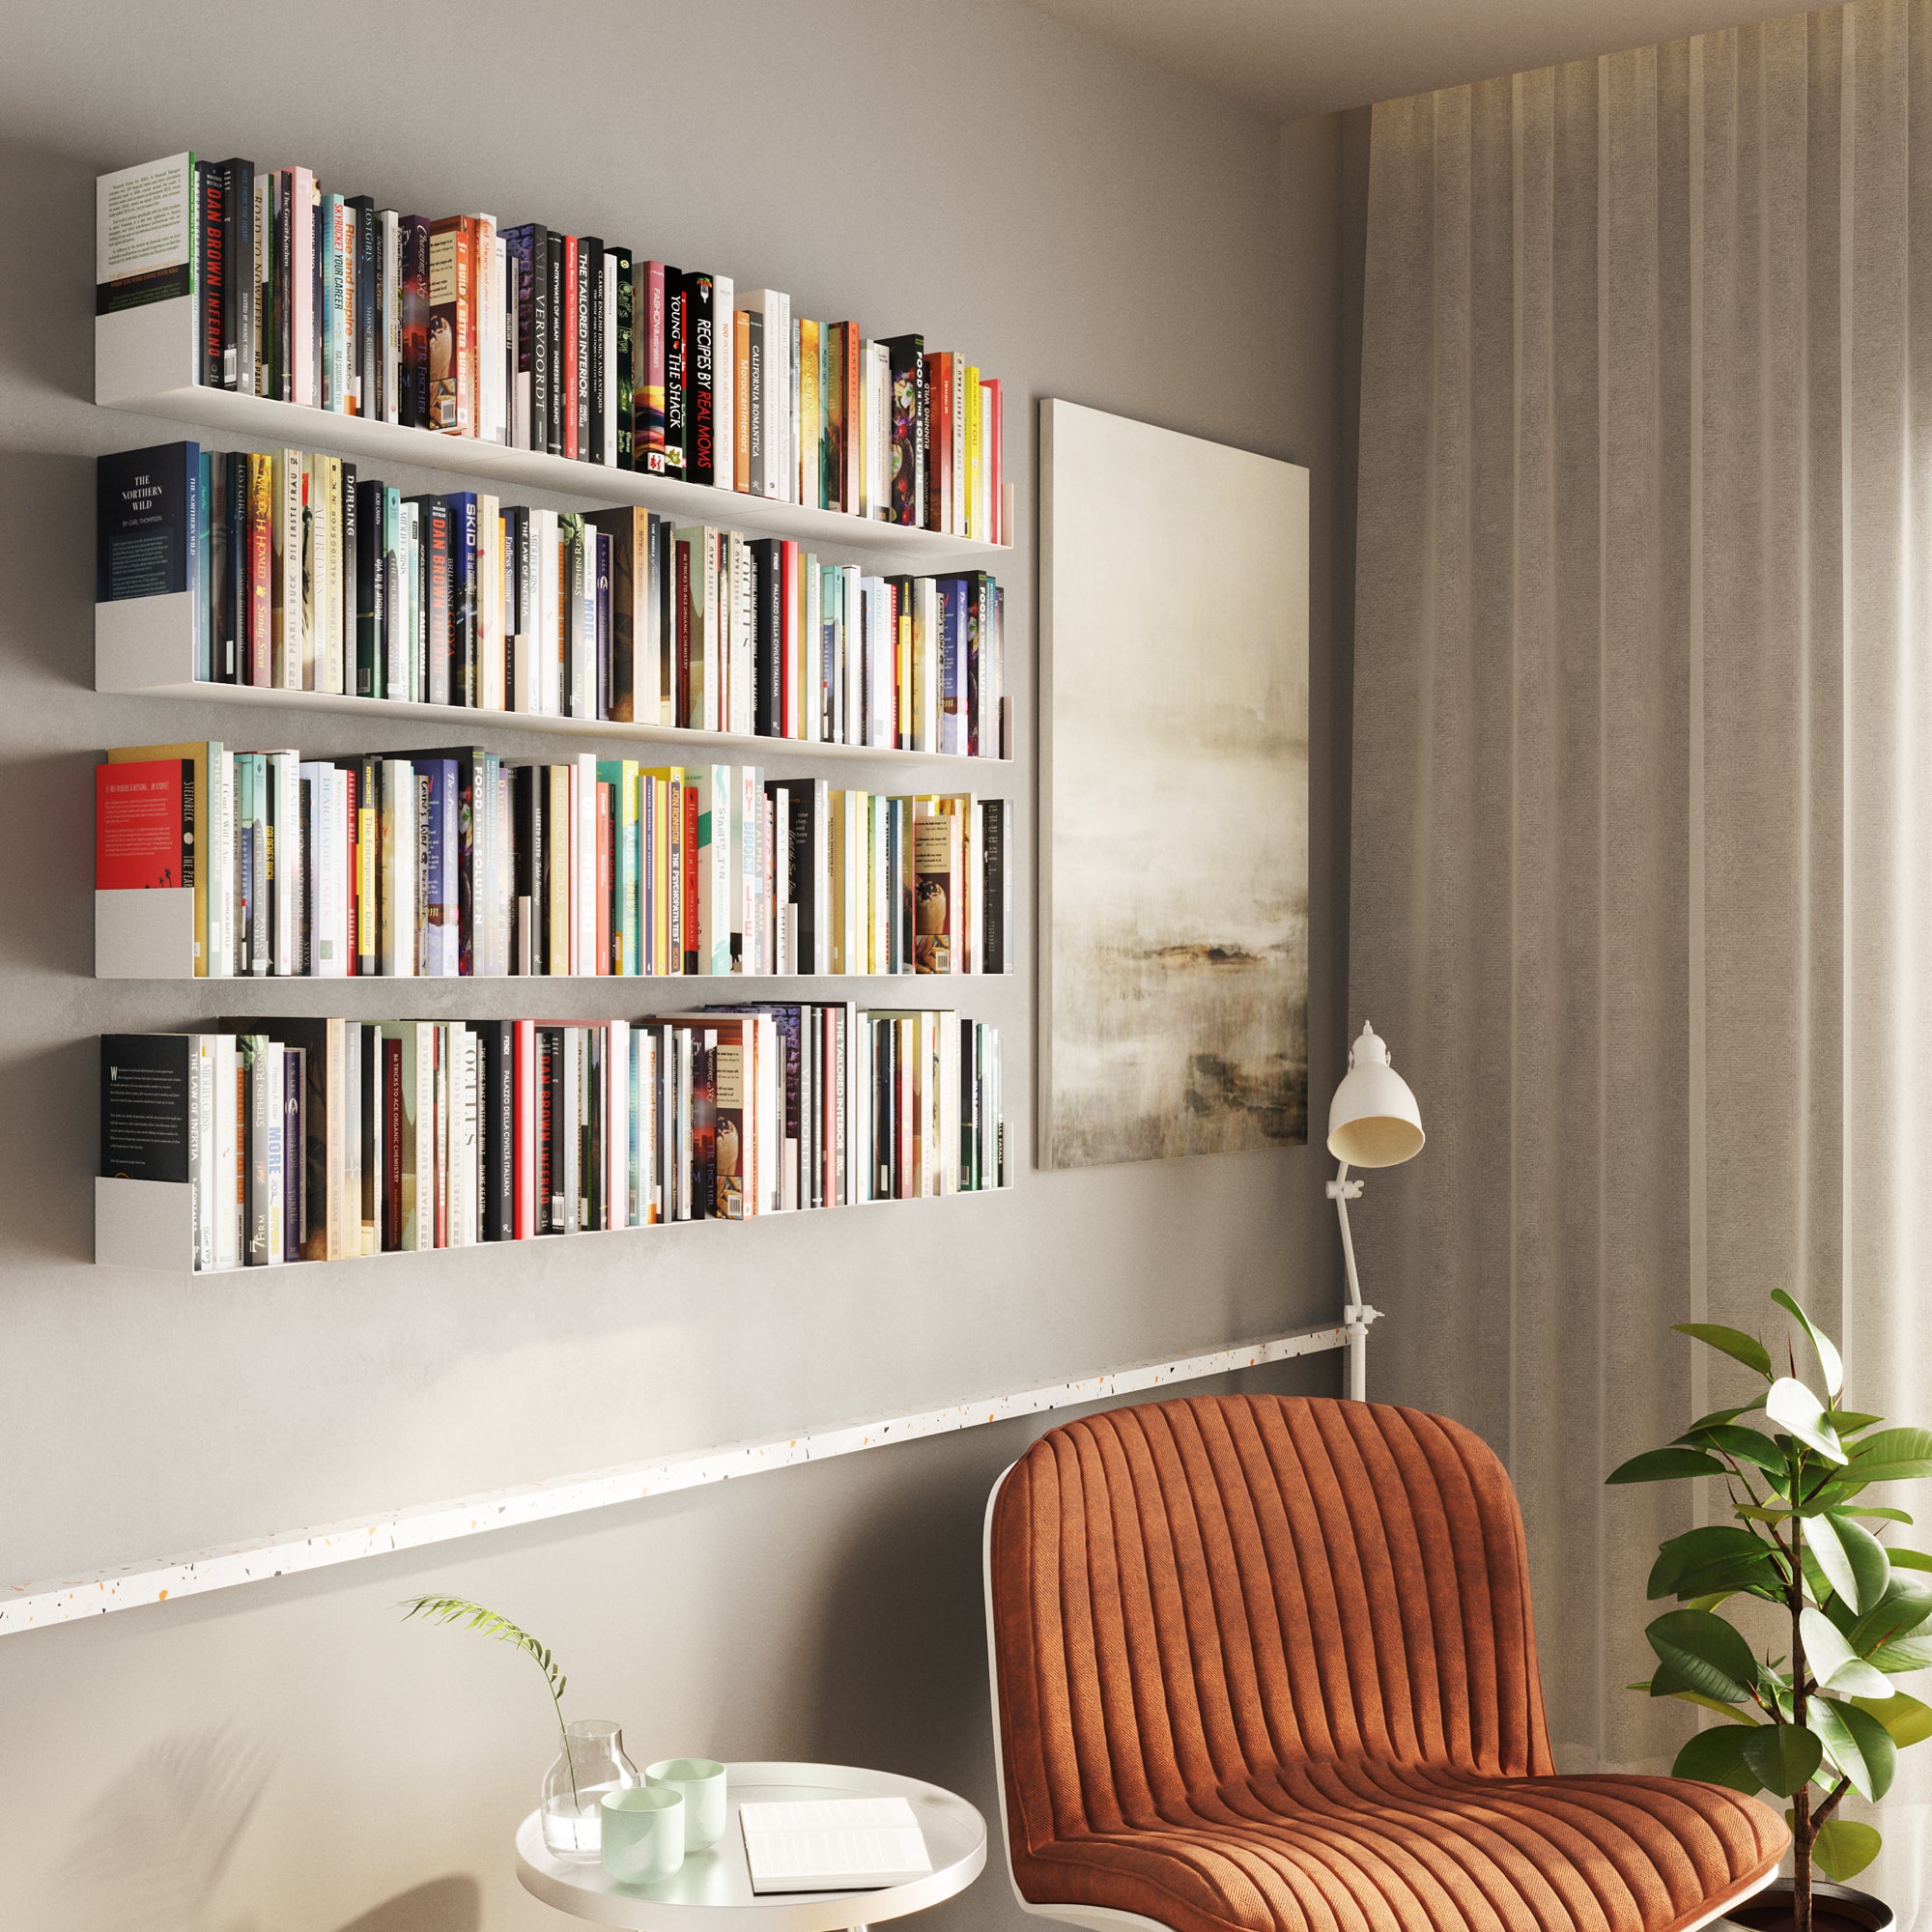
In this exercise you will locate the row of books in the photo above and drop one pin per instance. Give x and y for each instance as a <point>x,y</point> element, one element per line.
<point>320,1139</point>
<point>458,862</point>
<point>547,341</point>
<point>304,576</point>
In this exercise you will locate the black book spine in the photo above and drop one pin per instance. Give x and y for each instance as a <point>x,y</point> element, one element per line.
<point>228,665</point>
<point>921,402</point>
<point>803,870</point>
<point>626,358</point>
<point>590,263</point>
<point>496,1128</point>
<point>700,370</point>
<point>580,319</point>
<point>368,345</point>
<point>676,399</point>
<point>211,239</point>
<point>551,1130</point>
<point>542,376</point>
<point>238,255</point>
<point>766,617</point>
<point>555,245</point>
<point>525,811</point>
<point>281,384</point>
<point>367,517</point>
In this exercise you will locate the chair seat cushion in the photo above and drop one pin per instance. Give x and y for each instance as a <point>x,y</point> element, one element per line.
<point>1376,1847</point>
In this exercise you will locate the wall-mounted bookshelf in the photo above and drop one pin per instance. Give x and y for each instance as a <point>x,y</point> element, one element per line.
<point>144,361</point>
<point>148,1225</point>
<point>144,647</point>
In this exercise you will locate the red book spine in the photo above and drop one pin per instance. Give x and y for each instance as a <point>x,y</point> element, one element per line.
<point>352,907</point>
<point>687,885</point>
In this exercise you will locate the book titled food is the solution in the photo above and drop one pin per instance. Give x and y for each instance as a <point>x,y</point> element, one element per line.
<point>833,1844</point>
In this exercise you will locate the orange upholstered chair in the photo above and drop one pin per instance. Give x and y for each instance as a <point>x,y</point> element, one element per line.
<point>1266,1662</point>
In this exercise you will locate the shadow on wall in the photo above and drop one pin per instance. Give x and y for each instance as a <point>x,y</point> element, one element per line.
<point>154,1846</point>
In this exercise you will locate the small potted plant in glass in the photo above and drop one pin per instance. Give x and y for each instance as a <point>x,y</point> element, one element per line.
<point>592,1759</point>
<point>1811,1712</point>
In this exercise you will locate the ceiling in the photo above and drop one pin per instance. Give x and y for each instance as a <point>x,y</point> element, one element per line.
<point>1294,57</point>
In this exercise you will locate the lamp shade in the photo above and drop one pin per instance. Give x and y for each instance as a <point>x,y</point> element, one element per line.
<point>1373,1119</point>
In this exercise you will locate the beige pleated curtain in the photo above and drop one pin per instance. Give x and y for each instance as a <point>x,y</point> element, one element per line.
<point>1642,846</point>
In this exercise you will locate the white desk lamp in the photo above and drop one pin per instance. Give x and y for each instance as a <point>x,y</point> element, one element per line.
<point>1373,1121</point>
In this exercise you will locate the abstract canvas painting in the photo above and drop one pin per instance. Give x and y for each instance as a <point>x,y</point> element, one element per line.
<point>1174,788</point>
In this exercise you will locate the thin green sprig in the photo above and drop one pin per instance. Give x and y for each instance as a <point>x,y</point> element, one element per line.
<point>499,1628</point>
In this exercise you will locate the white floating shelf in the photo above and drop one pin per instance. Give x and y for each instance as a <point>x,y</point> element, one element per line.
<point>144,360</point>
<point>150,935</point>
<point>146,1224</point>
<point>144,647</point>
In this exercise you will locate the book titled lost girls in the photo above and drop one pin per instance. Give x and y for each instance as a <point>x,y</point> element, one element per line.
<point>147,518</point>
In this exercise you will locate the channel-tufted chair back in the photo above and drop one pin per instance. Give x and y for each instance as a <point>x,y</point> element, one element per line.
<point>1269,1661</point>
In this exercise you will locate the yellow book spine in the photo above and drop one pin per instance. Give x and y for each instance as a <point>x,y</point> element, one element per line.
<point>971,397</point>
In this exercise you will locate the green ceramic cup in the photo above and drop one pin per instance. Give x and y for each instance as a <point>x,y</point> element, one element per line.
<point>644,1833</point>
<point>701,1782</point>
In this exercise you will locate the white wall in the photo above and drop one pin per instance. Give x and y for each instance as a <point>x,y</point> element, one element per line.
<point>1086,228</point>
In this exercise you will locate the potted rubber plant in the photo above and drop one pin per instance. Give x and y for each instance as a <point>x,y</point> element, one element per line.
<point>1833,1610</point>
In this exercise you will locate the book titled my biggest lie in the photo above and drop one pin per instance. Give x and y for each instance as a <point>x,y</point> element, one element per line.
<point>144,1105</point>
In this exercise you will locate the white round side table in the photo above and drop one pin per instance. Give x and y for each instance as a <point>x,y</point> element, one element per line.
<point>712,1891</point>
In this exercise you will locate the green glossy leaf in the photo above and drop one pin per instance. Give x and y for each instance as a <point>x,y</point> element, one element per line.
<point>1781,1756</point>
<point>1905,1718</point>
<point>1665,1466</point>
<point>1697,1697</point>
<point>1832,1660</point>
<point>1829,1361</point>
<point>1826,1549</point>
<point>1793,1407</point>
<point>1880,1513</point>
<point>1857,1743</point>
<point>1731,1342</point>
<point>1852,1558</point>
<point>1907,1559</point>
<point>1908,1653</point>
<point>1717,1758</point>
<point>1716,1419</point>
<point>1696,1548</point>
<point>1703,1653</point>
<point>1849,1421</point>
<point>1745,1445</point>
<point>1893,1455</point>
<point>1710,1599</point>
<point>1843,1848</point>
<point>1904,1610</point>
<point>1758,1513</point>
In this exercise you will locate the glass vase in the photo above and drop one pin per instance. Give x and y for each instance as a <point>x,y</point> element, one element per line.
<point>574,1787</point>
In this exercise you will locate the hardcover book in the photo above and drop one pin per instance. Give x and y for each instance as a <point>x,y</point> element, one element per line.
<point>144,815</point>
<point>148,517</point>
<point>147,1106</point>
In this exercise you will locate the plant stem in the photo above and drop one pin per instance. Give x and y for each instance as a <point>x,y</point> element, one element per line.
<point>1803,1830</point>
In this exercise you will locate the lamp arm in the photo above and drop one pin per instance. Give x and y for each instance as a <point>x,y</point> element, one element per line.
<point>1355,1317</point>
